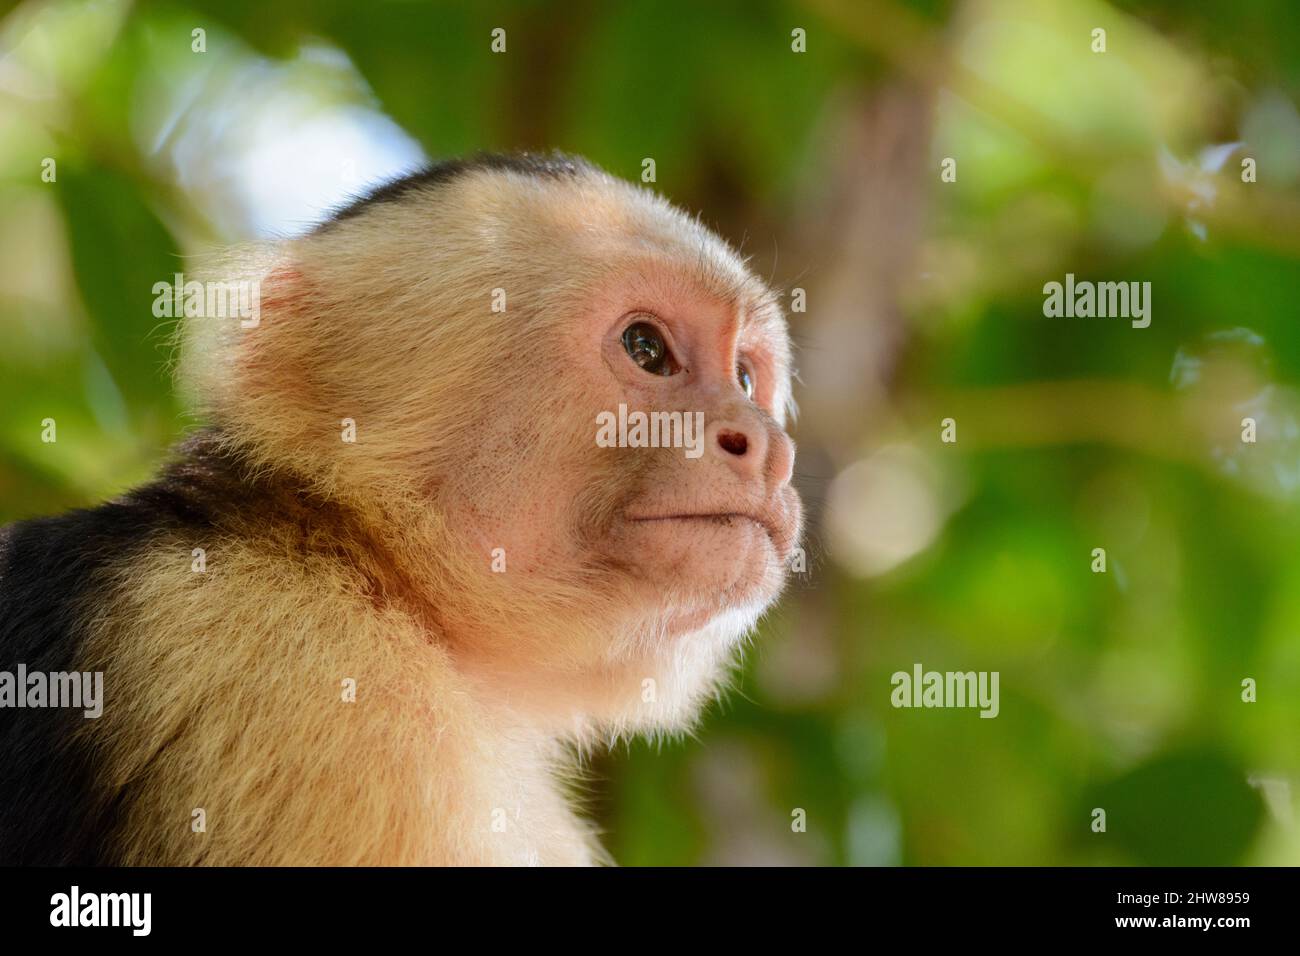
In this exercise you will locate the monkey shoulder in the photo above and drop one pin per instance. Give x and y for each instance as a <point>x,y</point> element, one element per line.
<point>57,576</point>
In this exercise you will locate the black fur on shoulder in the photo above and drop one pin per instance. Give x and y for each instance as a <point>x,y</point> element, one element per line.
<point>55,806</point>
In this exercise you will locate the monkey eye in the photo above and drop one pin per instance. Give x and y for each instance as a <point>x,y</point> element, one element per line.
<point>745,380</point>
<point>645,345</point>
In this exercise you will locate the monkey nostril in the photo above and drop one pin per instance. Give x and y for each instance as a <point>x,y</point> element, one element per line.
<point>733,442</point>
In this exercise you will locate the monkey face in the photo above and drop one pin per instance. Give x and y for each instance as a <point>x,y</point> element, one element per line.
<point>657,466</point>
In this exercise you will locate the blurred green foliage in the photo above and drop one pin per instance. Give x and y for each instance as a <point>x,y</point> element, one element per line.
<point>1120,691</point>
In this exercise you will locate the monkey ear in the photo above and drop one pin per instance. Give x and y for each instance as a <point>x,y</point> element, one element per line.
<point>284,290</point>
<point>267,354</point>
<point>283,294</point>
<point>222,359</point>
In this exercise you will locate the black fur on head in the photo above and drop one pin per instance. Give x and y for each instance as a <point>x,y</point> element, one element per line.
<point>555,165</point>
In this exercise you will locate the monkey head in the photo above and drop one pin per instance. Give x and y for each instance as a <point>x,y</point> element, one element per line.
<point>569,402</point>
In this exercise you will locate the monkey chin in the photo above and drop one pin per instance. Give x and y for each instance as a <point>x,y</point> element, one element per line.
<point>704,568</point>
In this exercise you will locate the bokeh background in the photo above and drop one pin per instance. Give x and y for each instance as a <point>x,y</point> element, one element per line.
<point>1120,690</point>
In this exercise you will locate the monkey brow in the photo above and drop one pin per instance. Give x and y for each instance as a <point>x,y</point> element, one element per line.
<point>554,165</point>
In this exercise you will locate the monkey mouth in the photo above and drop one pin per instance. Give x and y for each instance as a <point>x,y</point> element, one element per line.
<point>723,518</point>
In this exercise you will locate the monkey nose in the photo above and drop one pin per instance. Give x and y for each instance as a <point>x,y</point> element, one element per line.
<point>746,449</point>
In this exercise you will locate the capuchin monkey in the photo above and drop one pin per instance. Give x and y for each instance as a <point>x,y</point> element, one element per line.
<point>377,609</point>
